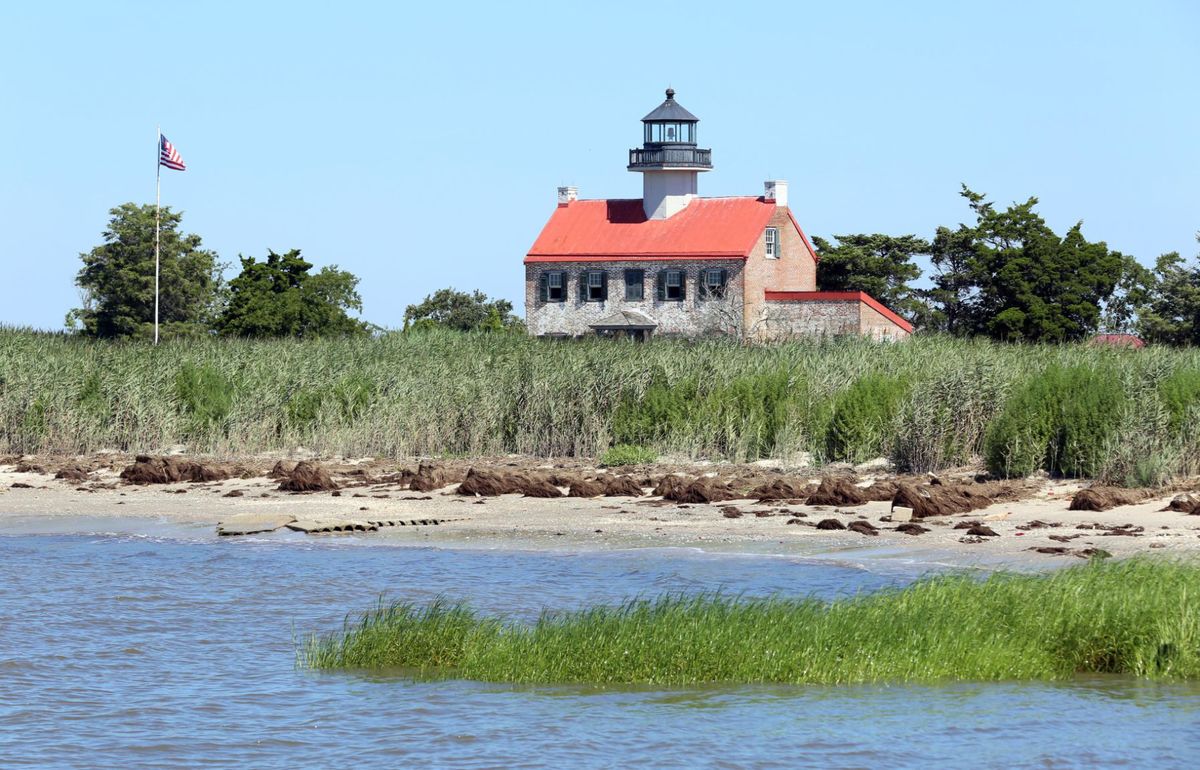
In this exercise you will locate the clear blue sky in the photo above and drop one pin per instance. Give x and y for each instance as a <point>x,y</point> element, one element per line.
<point>420,148</point>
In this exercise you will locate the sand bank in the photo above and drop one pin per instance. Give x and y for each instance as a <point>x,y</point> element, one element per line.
<point>1038,527</point>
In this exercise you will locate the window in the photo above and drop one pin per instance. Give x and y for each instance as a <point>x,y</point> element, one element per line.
<point>635,285</point>
<point>671,286</point>
<point>552,286</point>
<point>593,286</point>
<point>712,283</point>
<point>772,243</point>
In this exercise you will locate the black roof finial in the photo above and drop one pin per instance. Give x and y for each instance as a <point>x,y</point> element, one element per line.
<point>670,111</point>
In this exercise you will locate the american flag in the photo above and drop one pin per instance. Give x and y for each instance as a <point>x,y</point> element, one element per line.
<point>168,156</point>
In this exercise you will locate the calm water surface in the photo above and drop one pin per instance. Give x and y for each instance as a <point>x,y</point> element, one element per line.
<point>177,650</point>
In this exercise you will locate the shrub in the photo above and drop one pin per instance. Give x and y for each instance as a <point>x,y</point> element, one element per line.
<point>1061,420</point>
<point>34,421</point>
<point>627,454</point>
<point>663,410</point>
<point>860,427</point>
<point>304,407</point>
<point>91,396</point>
<point>204,395</point>
<point>1180,393</point>
<point>749,414</point>
<point>353,395</point>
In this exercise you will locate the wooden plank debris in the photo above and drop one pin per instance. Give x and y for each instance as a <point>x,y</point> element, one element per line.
<point>253,523</point>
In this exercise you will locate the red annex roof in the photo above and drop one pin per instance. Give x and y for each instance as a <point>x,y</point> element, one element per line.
<point>1119,340</point>
<point>708,228</point>
<point>818,296</point>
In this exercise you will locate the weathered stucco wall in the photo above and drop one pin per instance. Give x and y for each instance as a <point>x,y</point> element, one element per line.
<point>878,326</point>
<point>690,317</point>
<point>785,319</point>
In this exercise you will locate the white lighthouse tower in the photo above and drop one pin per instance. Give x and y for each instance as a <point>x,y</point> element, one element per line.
<point>669,161</point>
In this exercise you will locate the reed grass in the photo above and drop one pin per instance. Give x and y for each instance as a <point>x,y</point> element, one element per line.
<point>1136,617</point>
<point>926,403</point>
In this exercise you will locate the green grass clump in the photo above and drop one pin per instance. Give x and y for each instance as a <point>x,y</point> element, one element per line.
<point>1180,394</point>
<point>742,418</point>
<point>1136,617</point>
<point>1063,420</point>
<point>204,395</point>
<point>861,424</point>
<point>627,454</point>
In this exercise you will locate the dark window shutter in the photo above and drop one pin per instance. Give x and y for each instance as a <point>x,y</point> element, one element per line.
<point>583,286</point>
<point>604,286</point>
<point>683,284</point>
<point>544,287</point>
<point>660,285</point>
<point>724,281</point>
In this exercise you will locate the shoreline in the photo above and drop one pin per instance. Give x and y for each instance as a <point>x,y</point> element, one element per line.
<point>33,502</point>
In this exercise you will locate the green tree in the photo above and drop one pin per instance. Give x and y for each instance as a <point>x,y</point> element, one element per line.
<point>948,301</point>
<point>1132,293</point>
<point>880,265</point>
<point>452,309</point>
<point>117,279</point>
<point>1010,277</point>
<point>280,298</point>
<point>1170,310</point>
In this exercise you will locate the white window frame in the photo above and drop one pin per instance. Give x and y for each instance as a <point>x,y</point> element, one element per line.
<point>595,280</point>
<point>772,241</point>
<point>551,277</point>
<point>668,285</point>
<point>713,288</point>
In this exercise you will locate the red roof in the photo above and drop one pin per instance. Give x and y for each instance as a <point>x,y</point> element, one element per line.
<point>838,296</point>
<point>708,228</point>
<point>1129,340</point>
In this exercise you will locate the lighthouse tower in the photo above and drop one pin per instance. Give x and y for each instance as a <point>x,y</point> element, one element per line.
<point>669,160</point>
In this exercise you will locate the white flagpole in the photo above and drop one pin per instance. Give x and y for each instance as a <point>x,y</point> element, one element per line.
<point>157,206</point>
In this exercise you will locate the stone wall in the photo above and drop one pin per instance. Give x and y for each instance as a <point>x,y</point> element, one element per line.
<point>690,317</point>
<point>786,319</point>
<point>781,320</point>
<point>879,327</point>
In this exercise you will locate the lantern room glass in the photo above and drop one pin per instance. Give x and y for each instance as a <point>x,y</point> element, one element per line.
<point>671,133</point>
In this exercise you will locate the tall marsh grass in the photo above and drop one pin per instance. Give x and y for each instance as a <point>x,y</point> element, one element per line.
<point>927,403</point>
<point>1135,617</point>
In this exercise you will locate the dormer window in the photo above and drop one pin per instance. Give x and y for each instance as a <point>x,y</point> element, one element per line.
<point>772,243</point>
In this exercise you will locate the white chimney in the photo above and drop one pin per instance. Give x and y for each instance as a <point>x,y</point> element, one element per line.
<point>567,194</point>
<point>775,191</point>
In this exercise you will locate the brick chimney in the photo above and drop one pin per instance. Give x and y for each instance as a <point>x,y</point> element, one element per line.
<point>567,194</point>
<point>775,191</point>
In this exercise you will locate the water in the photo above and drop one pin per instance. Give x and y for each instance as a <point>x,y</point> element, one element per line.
<point>177,650</point>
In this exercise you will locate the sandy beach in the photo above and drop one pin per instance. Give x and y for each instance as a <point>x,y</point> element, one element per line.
<point>368,499</point>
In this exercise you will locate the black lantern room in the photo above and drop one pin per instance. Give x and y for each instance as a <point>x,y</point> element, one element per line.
<point>670,140</point>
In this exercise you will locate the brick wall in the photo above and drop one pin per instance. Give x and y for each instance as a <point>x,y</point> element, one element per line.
<point>689,317</point>
<point>878,326</point>
<point>794,270</point>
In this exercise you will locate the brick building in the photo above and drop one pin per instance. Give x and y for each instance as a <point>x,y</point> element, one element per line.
<point>674,264</point>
